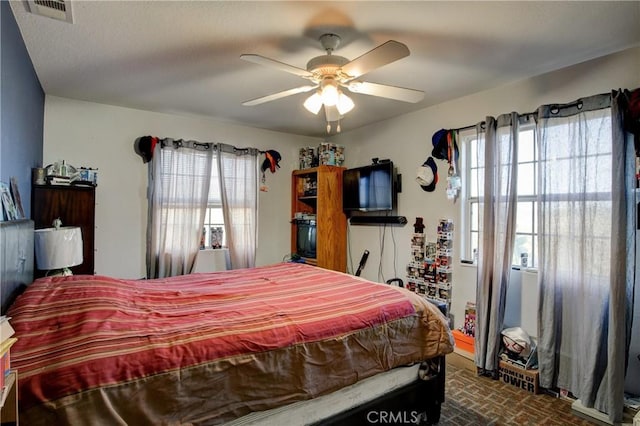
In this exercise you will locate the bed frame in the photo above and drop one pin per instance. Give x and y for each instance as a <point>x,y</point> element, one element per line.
<point>418,401</point>
<point>420,396</point>
<point>16,268</point>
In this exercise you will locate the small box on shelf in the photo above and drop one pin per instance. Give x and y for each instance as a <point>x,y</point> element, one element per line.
<point>417,240</point>
<point>469,327</point>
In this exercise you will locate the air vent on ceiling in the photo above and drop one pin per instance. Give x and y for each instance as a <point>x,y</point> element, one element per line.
<point>56,9</point>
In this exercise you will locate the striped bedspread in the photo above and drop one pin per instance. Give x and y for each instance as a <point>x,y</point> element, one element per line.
<point>175,350</point>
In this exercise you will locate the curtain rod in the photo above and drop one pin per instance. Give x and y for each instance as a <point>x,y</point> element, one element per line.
<point>482,123</point>
<point>206,145</point>
<point>555,108</point>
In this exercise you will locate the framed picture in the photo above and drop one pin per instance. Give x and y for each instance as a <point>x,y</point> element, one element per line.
<point>10,211</point>
<point>17,201</point>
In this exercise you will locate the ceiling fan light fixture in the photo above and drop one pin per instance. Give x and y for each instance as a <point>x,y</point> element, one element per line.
<point>330,92</point>
<point>330,73</point>
<point>345,104</point>
<point>313,103</point>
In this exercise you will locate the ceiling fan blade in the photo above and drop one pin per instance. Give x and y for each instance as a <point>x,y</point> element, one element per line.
<point>261,60</point>
<point>278,95</point>
<point>331,113</point>
<point>382,55</point>
<point>386,91</point>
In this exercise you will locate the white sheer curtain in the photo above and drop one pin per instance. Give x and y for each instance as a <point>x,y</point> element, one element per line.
<point>497,159</point>
<point>239,190</point>
<point>179,179</point>
<point>587,245</point>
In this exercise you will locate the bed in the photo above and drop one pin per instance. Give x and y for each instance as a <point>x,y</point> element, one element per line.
<point>214,348</point>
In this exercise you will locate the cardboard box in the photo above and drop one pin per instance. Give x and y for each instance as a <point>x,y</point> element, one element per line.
<point>464,342</point>
<point>519,377</point>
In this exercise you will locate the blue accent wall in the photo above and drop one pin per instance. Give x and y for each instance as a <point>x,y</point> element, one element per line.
<point>21,109</point>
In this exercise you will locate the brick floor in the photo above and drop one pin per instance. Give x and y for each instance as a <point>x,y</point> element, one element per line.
<point>473,400</point>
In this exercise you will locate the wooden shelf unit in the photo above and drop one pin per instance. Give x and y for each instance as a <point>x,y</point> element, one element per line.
<point>326,204</point>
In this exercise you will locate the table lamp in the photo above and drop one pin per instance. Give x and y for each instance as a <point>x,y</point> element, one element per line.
<point>58,249</point>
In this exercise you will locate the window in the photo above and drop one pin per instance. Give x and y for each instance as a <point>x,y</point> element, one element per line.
<point>184,190</point>
<point>526,240</point>
<point>213,231</point>
<point>577,205</point>
<point>182,177</point>
<point>181,204</point>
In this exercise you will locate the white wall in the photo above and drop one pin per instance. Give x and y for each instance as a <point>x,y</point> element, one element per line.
<point>406,140</point>
<point>102,136</point>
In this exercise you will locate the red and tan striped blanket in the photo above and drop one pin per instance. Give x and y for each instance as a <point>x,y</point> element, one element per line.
<point>206,348</point>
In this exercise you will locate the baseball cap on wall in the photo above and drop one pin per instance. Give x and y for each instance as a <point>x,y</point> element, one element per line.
<point>271,161</point>
<point>427,175</point>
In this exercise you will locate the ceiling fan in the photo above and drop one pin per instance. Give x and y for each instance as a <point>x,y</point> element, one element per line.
<point>330,74</point>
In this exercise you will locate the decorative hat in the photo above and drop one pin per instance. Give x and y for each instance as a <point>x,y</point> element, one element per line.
<point>439,141</point>
<point>271,161</point>
<point>427,175</point>
<point>144,147</point>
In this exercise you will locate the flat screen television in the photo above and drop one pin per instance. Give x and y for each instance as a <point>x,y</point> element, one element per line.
<point>370,188</point>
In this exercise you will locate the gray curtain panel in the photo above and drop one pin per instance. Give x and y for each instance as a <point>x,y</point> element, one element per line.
<point>587,250</point>
<point>498,174</point>
<point>178,190</point>
<point>239,191</point>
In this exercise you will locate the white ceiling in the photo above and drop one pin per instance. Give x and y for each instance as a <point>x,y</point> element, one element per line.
<point>183,57</point>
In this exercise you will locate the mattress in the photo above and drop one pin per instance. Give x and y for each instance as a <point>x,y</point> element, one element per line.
<point>315,410</point>
<point>209,348</point>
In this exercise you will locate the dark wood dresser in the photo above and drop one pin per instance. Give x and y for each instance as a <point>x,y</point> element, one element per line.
<point>75,206</point>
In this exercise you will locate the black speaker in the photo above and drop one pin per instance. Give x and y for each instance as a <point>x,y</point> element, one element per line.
<point>378,220</point>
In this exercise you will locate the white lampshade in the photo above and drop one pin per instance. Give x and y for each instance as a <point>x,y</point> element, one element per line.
<point>58,248</point>
<point>313,103</point>
<point>345,104</point>
<point>330,94</point>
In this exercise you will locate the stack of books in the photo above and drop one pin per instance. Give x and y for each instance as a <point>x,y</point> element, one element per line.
<point>6,341</point>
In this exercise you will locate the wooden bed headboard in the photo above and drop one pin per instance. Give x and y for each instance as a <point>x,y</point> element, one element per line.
<point>16,267</point>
